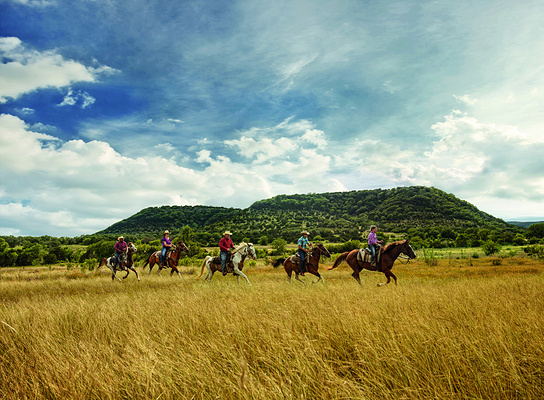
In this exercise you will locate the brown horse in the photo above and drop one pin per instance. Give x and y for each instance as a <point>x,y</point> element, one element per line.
<point>171,261</point>
<point>388,256</point>
<point>125,263</point>
<point>234,266</point>
<point>312,264</point>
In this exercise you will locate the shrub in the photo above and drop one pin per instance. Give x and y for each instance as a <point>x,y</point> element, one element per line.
<point>429,257</point>
<point>491,247</point>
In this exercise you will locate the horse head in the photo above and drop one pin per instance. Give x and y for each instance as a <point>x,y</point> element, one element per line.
<point>323,250</point>
<point>182,246</point>
<point>251,251</point>
<point>407,249</point>
<point>131,247</point>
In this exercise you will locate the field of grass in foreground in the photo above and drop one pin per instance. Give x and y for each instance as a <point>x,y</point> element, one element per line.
<point>453,331</point>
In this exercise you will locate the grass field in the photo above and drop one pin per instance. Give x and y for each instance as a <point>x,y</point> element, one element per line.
<point>463,329</point>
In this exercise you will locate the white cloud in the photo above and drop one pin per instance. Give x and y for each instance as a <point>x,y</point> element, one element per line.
<point>492,166</point>
<point>95,185</point>
<point>84,99</point>
<point>466,99</point>
<point>28,70</point>
<point>36,3</point>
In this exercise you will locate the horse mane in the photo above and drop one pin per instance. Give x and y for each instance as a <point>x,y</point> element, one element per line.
<point>239,247</point>
<point>393,244</point>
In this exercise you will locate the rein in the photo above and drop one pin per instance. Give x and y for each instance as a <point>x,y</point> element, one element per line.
<point>403,256</point>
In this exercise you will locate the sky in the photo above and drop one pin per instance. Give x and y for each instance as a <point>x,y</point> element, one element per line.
<point>111,106</point>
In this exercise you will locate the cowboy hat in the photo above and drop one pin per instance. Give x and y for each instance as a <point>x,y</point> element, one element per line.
<point>305,232</point>
<point>227,233</point>
<point>166,232</point>
<point>120,237</point>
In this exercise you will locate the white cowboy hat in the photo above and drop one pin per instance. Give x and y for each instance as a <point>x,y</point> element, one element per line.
<point>227,233</point>
<point>120,237</point>
<point>305,232</point>
<point>166,232</point>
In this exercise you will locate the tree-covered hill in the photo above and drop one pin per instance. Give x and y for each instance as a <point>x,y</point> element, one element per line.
<point>153,220</point>
<point>337,216</point>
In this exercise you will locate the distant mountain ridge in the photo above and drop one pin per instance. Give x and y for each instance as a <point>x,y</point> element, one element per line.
<point>524,224</point>
<point>335,216</point>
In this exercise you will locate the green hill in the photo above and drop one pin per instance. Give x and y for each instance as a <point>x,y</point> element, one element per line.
<point>338,216</point>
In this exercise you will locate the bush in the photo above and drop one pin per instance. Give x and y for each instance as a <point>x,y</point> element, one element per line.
<point>535,251</point>
<point>491,247</point>
<point>429,257</point>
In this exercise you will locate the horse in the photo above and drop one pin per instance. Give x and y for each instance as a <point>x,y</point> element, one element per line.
<point>312,263</point>
<point>235,264</point>
<point>387,257</point>
<point>125,263</point>
<point>172,260</point>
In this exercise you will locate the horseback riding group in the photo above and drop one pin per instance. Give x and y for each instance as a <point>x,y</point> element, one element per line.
<point>231,258</point>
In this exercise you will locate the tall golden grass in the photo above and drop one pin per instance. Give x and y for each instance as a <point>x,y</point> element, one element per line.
<point>453,331</point>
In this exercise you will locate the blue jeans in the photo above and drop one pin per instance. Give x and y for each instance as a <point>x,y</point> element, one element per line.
<point>223,255</point>
<point>302,255</point>
<point>163,254</point>
<point>373,250</point>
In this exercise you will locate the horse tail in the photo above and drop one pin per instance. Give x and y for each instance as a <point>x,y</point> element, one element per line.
<point>339,260</point>
<point>279,262</point>
<point>203,265</point>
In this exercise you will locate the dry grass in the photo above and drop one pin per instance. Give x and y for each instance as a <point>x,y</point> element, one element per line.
<point>454,331</point>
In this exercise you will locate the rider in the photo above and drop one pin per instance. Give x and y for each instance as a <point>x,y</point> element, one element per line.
<point>303,243</point>
<point>225,244</point>
<point>120,247</point>
<point>166,245</point>
<point>373,243</point>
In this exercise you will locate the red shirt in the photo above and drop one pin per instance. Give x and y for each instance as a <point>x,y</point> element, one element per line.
<point>226,244</point>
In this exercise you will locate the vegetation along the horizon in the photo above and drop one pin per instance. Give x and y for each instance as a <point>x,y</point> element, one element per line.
<point>429,217</point>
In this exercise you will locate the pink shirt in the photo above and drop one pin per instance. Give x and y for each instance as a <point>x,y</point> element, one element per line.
<point>372,239</point>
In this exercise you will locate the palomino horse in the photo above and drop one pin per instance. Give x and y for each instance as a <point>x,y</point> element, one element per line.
<point>171,261</point>
<point>312,263</point>
<point>235,264</point>
<point>125,263</point>
<point>388,256</point>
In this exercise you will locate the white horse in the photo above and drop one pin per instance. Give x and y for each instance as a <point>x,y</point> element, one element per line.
<point>235,264</point>
<point>125,263</point>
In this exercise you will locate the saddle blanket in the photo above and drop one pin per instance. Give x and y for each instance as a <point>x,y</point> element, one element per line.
<point>365,255</point>
<point>295,259</point>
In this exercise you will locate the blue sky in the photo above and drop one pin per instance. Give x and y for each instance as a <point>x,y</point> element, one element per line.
<point>111,106</point>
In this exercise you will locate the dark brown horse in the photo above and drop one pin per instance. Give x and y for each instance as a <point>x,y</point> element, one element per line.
<point>234,266</point>
<point>387,257</point>
<point>125,263</point>
<point>312,263</point>
<point>171,261</point>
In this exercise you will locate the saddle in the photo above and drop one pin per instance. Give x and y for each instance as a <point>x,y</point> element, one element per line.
<point>295,259</point>
<point>365,255</point>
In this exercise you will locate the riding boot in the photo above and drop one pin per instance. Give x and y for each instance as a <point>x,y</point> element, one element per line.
<point>223,271</point>
<point>302,270</point>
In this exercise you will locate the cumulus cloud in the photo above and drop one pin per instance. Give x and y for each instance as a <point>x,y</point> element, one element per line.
<point>97,186</point>
<point>25,70</point>
<point>82,99</point>
<point>487,164</point>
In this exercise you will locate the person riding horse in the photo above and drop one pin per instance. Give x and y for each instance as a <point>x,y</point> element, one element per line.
<point>166,246</point>
<point>303,243</point>
<point>373,244</point>
<point>225,244</point>
<point>120,248</point>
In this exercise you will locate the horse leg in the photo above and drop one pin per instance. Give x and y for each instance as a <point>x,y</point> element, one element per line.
<point>128,272</point>
<point>136,272</point>
<point>356,276</point>
<point>388,274</point>
<point>177,270</point>
<point>239,274</point>
<point>319,278</point>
